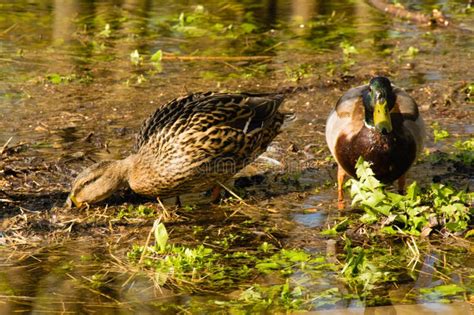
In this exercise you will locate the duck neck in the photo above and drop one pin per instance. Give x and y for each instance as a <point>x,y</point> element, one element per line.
<point>123,167</point>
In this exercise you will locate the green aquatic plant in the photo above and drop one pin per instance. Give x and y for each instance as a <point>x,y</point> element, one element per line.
<point>463,154</point>
<point>341,226</point>
<point>135,58</point>
<point>348,49</point>
<point>157,56</point>
<point>190,268</point>
<point>441,293</point>
<point>299,72</point>
<point>417,212</point>
<point>56,78</point>
<point>287,260</point>
<point>259,298</point>
<point>366,269</point>
<point>439,133</point>
<point>136,212</point>
<point>202,267</point>
<point>469,91</point>
<point>106,32</point>
<point>411,52</point>
<point>201,22</point>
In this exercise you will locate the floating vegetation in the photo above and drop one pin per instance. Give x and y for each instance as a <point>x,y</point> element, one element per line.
<point>418,212</point>
<point>442,292</point>
<point>469,90</point>
<point>135,58</point>
<point>461,155</point>
<point>439,133</point>
<point>202,268</point>
<point>136,212</point>
<point>56,78</point>
<point>411,52</point>
<point>201,23</point>
<point>302,71</point>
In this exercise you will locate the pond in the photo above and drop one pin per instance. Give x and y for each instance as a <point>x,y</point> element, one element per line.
<point>79,77</point>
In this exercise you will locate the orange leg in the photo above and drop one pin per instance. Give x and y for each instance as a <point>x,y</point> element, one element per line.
<point>401,184</point>
<point>216,194</point>
<point>340,193</point>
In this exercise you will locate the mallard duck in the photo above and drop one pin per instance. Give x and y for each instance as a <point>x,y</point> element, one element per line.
<point>379,122</point>
<point>188,145</point>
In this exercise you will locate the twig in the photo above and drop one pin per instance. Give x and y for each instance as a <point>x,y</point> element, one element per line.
<point>8,29</point>
<point>214,58</point>
<point>155,225</point>
<point>239,199</point>
<point>21,61</point>
<point>437,17</point>
<point>233,193</point>
<point>165,211</point>
<point>5,146</point>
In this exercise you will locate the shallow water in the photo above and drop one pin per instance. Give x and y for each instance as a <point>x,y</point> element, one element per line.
<point>70,90</point>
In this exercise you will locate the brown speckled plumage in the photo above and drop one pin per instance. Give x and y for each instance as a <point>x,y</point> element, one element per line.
<point>191,143</point>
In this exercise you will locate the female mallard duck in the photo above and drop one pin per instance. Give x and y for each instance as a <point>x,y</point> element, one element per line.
<point>188,145</point>
<point>379,122</point>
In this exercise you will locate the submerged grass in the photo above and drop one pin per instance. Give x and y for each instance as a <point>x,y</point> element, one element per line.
<point>202,268</point>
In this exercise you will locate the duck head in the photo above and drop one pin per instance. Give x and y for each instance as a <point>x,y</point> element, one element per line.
<point>378,100</point>
<point>98,182</point>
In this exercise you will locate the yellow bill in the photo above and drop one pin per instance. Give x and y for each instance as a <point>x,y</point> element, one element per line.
<point>382,119</point>
<point>72,200</point>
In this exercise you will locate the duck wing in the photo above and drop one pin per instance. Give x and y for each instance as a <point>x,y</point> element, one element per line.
<point>411,119</point>
<point>347,118</point>
<point>245,112</point>
<point>165,115</point>
<point>201,111</point>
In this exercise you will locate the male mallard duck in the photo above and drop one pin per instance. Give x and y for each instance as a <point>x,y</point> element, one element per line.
<point>379,122</point>
<point>188,145</point>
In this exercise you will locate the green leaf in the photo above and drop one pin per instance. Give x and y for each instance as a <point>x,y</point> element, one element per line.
<point>444,290</point>
<point>469,233</point>
<point>348,48</point>
<point>412,52</point>
<point>135,57</point>
<point>438,133</point>
<point>157,56</point>
<point>369,218</point>
<point>106,32</point>
<point>389,230</point>
<point>295,255</point>
<point>267,266</point>
<point>161,236</point>
<point>248,27</point>
<point>55,78</point>
<point>413,191</point>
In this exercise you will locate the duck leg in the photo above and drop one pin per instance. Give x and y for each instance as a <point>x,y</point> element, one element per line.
<point>401,184</point>
<point>216,194</point>
<point>340,193</point>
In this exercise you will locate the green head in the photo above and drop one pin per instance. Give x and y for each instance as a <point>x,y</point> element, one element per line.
<point>379,99</point>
